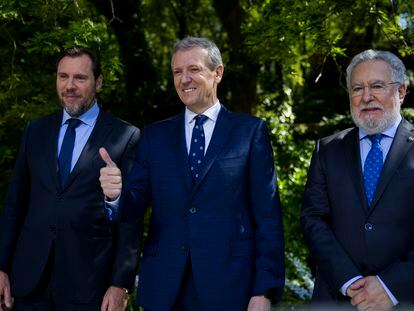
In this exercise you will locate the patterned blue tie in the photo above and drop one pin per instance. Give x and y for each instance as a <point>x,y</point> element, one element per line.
<point>373,166</point>
<point>197,146</point>
<point>66,150</point>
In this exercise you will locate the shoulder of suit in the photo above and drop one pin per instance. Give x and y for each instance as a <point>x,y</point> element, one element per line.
<point>242,119</point>
<point>118,121</point>
<point>53,117</point>
<point>339,136</point>
<point>408,125</point>
<point>165,123</point>
<point>243,116</point>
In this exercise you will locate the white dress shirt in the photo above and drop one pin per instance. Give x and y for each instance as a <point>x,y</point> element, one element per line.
<point>212,114</point>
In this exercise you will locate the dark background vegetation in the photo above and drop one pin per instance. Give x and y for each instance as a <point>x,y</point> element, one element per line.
<point>284,61</point>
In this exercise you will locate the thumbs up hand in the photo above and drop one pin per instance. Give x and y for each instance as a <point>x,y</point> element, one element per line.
<point>110,178</point>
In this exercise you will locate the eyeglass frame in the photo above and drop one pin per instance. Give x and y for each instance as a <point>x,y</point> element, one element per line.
<point>371,89</point>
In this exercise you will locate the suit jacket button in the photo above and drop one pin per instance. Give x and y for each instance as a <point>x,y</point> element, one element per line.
<point>193,210</point>
<point>368,227</point>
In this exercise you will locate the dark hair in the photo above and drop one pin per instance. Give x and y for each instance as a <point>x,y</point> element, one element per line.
<point>214,55</point>
<point>79,51</point>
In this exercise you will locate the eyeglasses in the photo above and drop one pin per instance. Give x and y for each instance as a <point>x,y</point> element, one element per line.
<point>376,88</point>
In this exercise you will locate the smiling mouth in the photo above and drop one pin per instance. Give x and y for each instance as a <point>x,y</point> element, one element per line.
<point>189,90</point>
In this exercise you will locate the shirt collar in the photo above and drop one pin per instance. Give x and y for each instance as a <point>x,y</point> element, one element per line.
<point>88,117</point>
<point>389,131</point>
<point>212,113</point>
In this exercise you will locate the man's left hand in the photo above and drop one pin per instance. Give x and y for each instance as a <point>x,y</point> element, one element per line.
<point>115,299</point>
<point>259,303</point>
<point>372,296</point>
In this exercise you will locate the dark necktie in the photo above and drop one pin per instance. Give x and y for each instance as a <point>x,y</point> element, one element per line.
<point>197,146</point>
<point>66,150</point>
<point>373,166</point>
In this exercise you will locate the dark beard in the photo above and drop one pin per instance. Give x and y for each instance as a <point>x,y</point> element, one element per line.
<point>76,112</point>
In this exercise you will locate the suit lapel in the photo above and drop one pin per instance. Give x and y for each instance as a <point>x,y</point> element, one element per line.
<point>100,132</point>
<point>353,155</point>
<point>51,147</point>
<point>222,129</point>
<point>399,148</point>
<point>179,146</point>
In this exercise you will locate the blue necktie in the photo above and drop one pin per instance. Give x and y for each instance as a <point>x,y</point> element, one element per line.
<point>66,150</point>
<point>373,166</point>
<point>197,146</point>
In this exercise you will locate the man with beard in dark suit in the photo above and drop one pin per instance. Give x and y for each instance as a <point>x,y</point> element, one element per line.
<point>58,251</point>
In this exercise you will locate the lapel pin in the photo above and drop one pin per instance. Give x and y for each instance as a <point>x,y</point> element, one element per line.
<point>410,139</point>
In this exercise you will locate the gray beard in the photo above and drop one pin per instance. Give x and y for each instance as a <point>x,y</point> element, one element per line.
<point>375,127</point>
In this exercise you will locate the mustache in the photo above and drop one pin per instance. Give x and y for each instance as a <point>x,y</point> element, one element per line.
<point>371,106</point>
<point>66,93</point>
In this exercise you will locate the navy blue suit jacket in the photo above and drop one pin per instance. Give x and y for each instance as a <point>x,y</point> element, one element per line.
<point>348,238</point>
<point>228,222</point>
<point>91,253</point>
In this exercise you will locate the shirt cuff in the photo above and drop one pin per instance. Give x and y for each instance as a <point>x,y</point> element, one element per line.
<point>112,208</point>
<point>393,299</point>
<point>347,284</point>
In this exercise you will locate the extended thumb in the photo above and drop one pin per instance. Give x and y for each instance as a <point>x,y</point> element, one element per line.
<point>107,159</point>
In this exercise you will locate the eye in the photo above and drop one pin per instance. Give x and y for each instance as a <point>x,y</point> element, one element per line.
<point>377,86</point>
<point>356,88</point>
<point>81,78</point>
<point>62,76</point>
<point>176,72</point>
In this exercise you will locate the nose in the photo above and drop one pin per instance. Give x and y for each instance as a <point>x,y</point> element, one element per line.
<point>185,77</point>
<point>366,95</point>
<point>70,83</point>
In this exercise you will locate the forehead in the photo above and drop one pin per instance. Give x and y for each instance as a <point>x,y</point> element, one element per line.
<point>188,57</point>
<point>77,64</point>
<point>370,71</point>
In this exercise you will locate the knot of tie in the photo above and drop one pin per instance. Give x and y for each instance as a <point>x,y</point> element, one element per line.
<point>375,139</point>
<point>200,119</point>
<point>73,123</point>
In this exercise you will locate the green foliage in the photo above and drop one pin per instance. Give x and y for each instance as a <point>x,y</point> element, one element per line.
<point>32,33</point>
<point>292,158</point>
<point>294,51</point>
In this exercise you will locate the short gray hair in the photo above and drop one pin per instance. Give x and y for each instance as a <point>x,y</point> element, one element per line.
<point>214,55</point>
<point>398,73</point>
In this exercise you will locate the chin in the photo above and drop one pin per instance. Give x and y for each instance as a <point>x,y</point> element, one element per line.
<point>373,125</point>
<point>75,110</point>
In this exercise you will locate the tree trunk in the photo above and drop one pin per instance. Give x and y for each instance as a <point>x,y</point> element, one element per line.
<point>242,70</point>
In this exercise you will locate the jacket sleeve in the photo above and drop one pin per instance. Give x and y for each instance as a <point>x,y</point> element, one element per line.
<point>15,206</point>
<point>266,210</point>
<point>333,263</point>
<point>399,277</point>
<point>128,235</point>
<point>136,193</point>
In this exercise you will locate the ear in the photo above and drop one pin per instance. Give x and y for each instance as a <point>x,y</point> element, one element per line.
<point>402,91</point>
<point>98,83</point>
<point>219,73</point>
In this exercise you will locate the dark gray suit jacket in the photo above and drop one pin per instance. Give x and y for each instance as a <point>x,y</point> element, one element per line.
<point>90,253</point>
<point>346,237</point>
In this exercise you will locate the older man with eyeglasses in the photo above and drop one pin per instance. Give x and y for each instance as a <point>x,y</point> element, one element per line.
<point>358,211</point>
